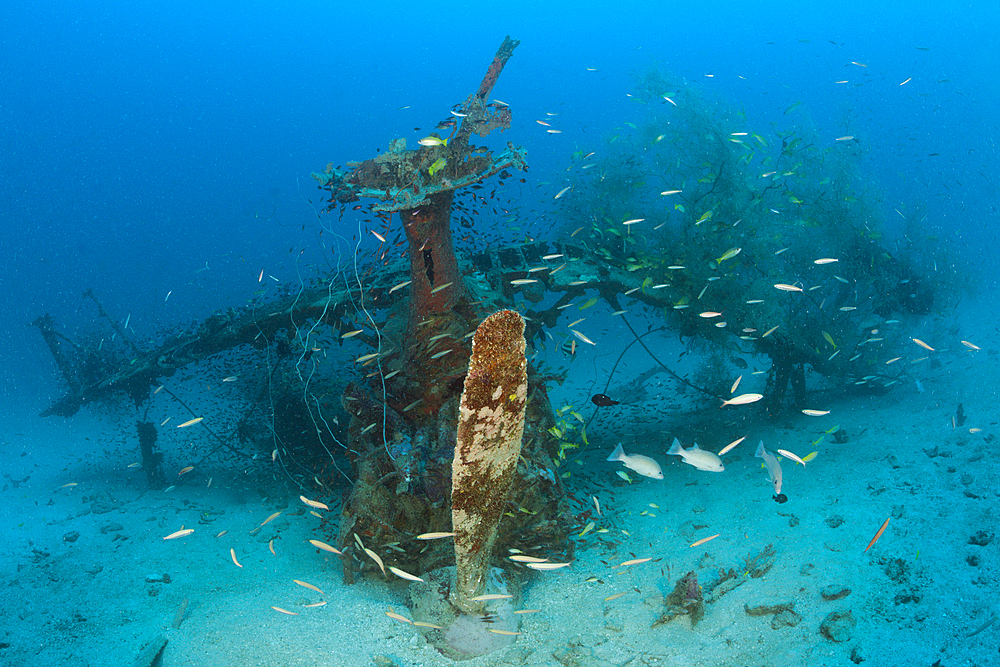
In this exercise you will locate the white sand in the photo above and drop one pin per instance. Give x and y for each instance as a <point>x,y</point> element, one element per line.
<point>88,602</point>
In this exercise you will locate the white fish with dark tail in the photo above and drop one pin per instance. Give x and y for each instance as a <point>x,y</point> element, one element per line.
<point>773,470</point>
<point>643,465</point>
<point>697,457</point>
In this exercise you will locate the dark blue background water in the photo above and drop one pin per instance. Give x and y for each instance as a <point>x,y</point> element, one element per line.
<point>142,143</point>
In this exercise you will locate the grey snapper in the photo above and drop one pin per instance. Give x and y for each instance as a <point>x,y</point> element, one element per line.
<point>697,457</point>
<point>643,465</point>
<point>773,470</point>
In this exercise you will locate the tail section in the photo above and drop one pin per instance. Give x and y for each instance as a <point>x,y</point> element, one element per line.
<point>618,454</point>
<point>676,448</point>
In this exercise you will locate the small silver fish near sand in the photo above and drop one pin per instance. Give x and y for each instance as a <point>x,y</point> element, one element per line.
<point>697,457</point>
<point>643,465</point>
<point>773,471</point>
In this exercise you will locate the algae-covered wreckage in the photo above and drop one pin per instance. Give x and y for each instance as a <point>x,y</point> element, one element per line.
<point>369,368</point>
<point>435,447</point>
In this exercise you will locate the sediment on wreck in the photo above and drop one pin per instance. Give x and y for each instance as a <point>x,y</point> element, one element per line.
<point>490,426</point>
<point>405,420</point>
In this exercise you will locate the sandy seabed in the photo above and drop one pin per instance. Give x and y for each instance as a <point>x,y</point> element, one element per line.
<point>89,580</point>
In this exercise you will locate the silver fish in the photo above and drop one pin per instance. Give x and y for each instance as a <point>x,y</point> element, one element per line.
<point>643,465</point>
<point>697,457</point>
<point>773,467</point>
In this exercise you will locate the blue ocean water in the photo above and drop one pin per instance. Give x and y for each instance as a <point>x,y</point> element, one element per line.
<point>142,143</point>
<point>161,155</point>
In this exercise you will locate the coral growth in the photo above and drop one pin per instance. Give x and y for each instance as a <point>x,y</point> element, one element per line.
<point>686,598</point>
<point>490,427</point>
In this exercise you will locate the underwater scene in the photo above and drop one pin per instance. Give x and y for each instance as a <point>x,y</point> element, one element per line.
<point>569,334</point>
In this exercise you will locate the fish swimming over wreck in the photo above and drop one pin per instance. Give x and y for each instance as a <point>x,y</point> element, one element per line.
<point>603,400</point>
<point>643,465</point>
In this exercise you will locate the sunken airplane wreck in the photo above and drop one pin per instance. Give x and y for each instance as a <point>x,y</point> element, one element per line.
<point>364,379</point>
